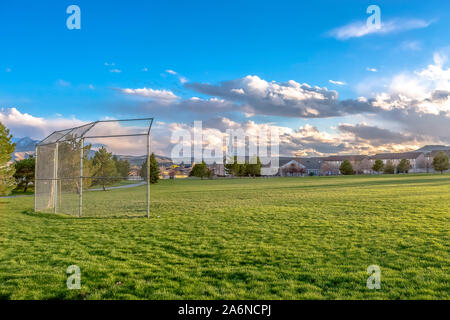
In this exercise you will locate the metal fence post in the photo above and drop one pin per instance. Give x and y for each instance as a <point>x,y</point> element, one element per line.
<point>55,177</point>
<point>35,176</point>
<point>148,176</point>
<point>80,200</point>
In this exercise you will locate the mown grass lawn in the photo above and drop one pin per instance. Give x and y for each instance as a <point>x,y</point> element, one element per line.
<point>277,238</point>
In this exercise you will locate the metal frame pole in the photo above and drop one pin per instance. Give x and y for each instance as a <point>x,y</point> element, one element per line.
<point>35,176</point>
<point>148,176</point>
<point>80,200</point>
<point>55,177</point>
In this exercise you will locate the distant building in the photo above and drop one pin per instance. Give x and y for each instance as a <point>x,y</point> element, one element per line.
<point>312,165</point>
<point>217,169</point>
<point>292,168</point>
<point>361,164</point>
<point>414,158</point>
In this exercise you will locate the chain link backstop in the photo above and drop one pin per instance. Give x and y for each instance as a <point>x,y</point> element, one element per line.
<point>97,169</point>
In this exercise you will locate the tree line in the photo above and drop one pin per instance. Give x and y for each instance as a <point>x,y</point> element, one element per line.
<point>247,169</point>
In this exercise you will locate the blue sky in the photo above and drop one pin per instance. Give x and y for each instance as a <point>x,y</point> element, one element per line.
<point>50,72</point>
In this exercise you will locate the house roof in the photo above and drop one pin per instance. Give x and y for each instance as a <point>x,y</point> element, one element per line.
<point>311,163</point>
<point>343,158</point>
<point>395,156</point>
<point>292,162</point>
<point>434,152</point>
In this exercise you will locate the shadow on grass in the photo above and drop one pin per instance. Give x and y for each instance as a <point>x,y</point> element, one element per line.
<point>45,215</point>
<point>375,182</point>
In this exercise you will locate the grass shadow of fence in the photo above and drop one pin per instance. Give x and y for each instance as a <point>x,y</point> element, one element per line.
<point>46,215</point>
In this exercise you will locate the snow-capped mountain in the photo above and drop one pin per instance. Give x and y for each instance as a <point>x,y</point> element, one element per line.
<point>25,144</point>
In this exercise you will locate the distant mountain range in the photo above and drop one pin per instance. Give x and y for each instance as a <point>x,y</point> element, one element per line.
<point>26,147</point>
<point>429,148</point>
<point>25,144</point>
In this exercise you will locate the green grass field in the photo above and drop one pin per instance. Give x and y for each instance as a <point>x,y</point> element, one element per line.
<point>277,238</point>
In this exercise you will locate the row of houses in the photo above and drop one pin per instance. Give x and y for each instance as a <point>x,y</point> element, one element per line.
<point>421,162</point>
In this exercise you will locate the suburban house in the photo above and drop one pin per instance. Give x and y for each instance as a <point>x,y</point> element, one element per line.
<point>312,165</point>
<point>134,173</point>
<point>292,168</point>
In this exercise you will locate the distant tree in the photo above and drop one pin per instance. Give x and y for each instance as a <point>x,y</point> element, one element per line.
<point>69,153</point>
<point>346,168</point>
<point>364,165</point>
<point>378,166</point>
<point>122,167</point>
<point>242,169</point>
<point>7,181</point>
<point>440,162</point>
<point>389,167</point>
<point>172,172</point>
<point>254,169</point>
<point>24,172</point>
<point>234,168</point>
<point>404,166</point>
<point>200,170</point>
<point>105,172</point>
<point>329,169</point>
<point>154,169</point>
<point>357,167</point>
<point>425,163</point>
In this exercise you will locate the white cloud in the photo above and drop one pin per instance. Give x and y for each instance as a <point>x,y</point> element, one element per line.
<point>63,83</point>
<point>339,83</point>
<point>26,125</point>
<point>289,99</point>
<point>182,79</point>
<point>161,95</point>
<point>115,71</point>
<point>371,69</point>
<point>411,45</point>
<point>109,64</point>
<point>360,29</point>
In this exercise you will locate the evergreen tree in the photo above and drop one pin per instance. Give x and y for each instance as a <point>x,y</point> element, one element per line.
<point>254,169</point>
<point>389,167</point>
<point>24,172</point>
<point>7,181</point>
<point>69,153</point>
<point>105,172</point>
<point>122,167</point>
<point>200,170</point>
<point>233,168</point>
<point>346,168</point>
<point>154,169</point>
<point>378,166</point>
<point>404,166</point>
